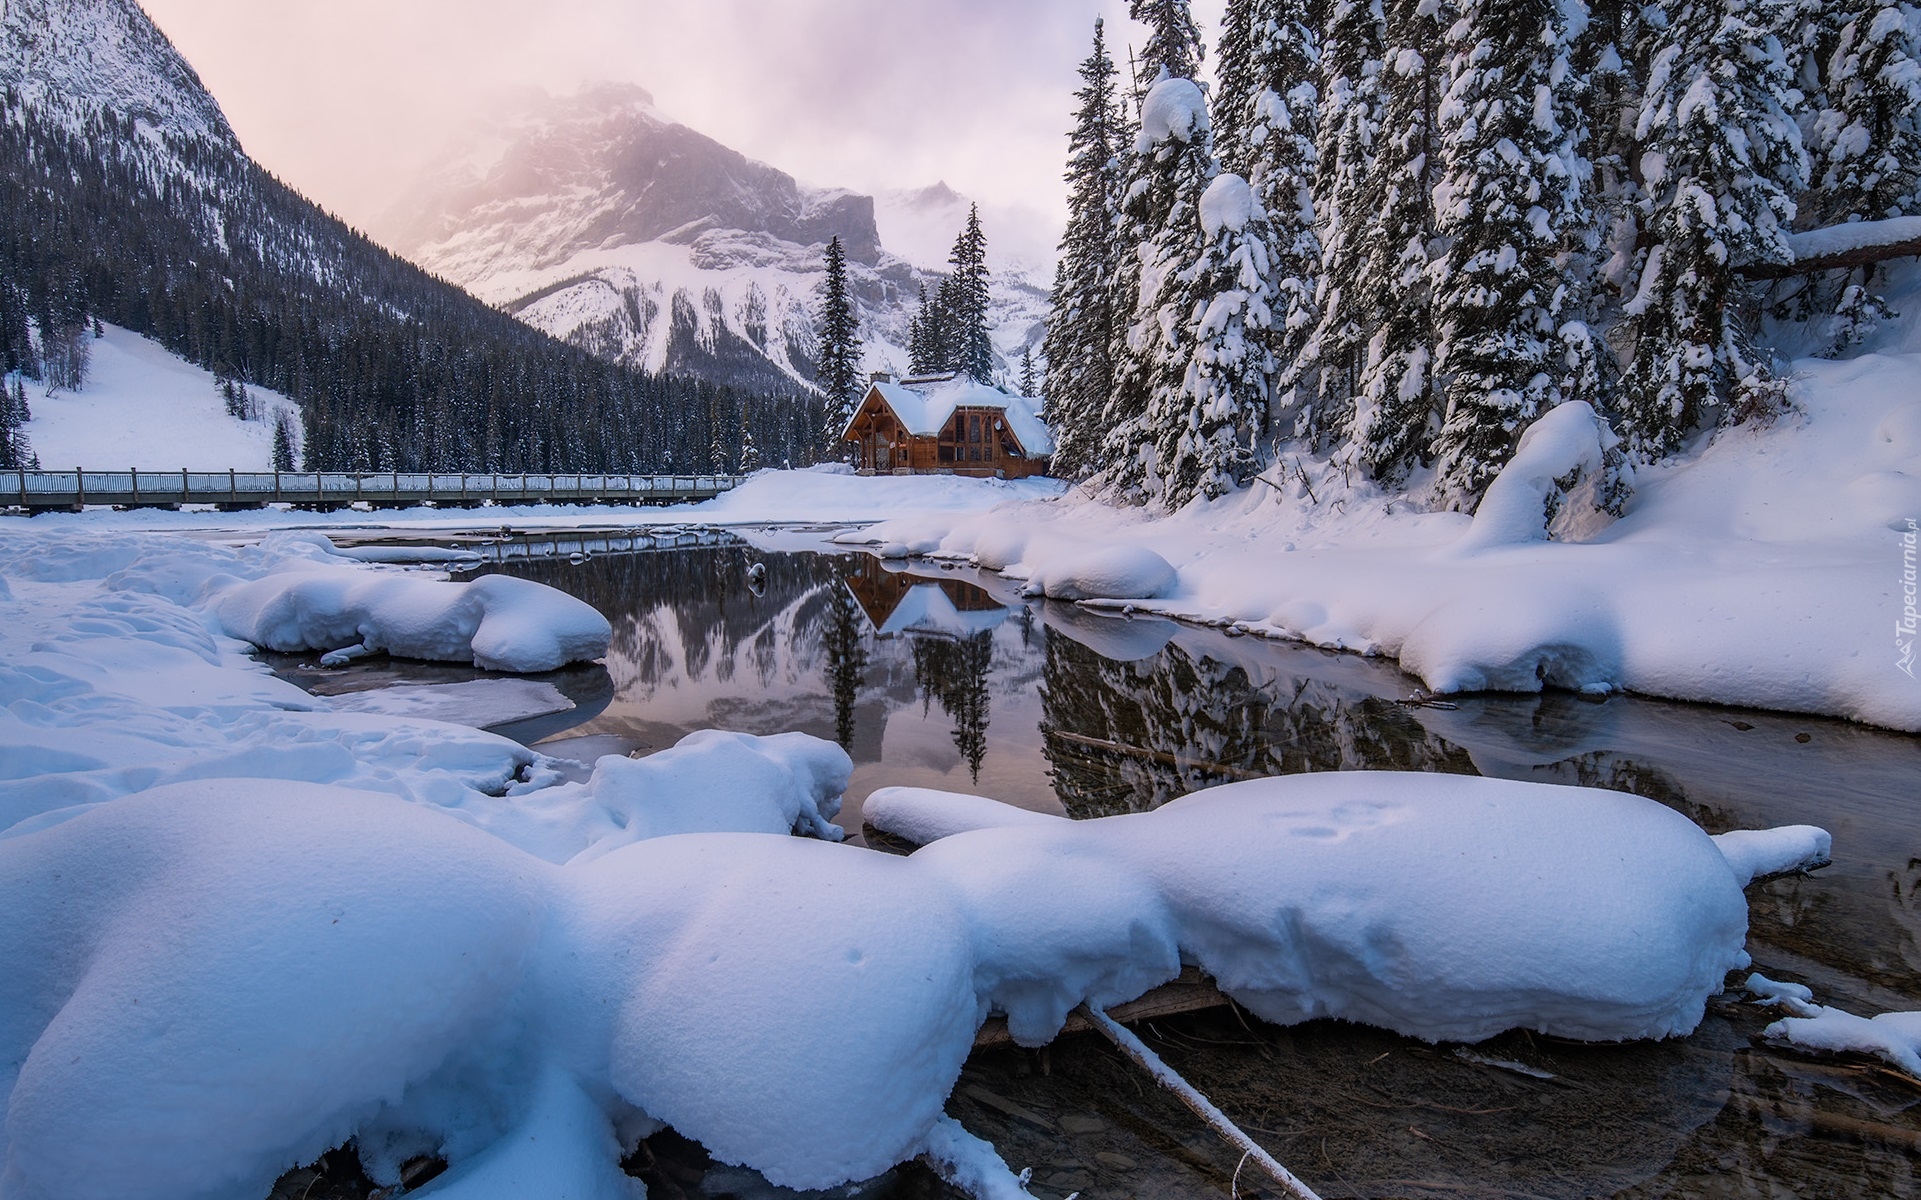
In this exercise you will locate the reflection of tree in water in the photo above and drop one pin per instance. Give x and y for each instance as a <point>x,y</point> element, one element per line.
<point>847,658</point>
<point>953,671</point>
<point>1127,737</point>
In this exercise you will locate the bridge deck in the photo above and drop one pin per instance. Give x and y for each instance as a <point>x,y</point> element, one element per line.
<point>45,491</point>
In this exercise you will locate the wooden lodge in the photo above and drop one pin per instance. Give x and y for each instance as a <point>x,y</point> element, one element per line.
<point>950,425</point>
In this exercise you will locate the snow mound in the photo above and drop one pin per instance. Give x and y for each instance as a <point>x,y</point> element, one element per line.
<point>1438,906</point>
<point>1757,853</point>
<point>1228,203</point>
<point>923,815</point>
<point>1110,572</point>
<point>1565,444</point>
<point>711,781</point>
<point>270,962</point>
<point>214,980</point>
<point>1174,110</point>
<point>496,621</point>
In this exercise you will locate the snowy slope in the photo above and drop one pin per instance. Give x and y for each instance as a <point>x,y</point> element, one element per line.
<point>602,221</point>
<point>141,407</point>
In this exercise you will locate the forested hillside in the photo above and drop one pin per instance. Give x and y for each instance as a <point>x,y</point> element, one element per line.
<point>192,244</point>
<point>1397,233</point>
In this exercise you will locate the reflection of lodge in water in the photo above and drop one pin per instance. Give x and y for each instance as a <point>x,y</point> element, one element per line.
<point>898,603</point>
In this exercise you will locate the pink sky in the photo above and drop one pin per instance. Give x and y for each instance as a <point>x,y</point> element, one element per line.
<point>350,99</point>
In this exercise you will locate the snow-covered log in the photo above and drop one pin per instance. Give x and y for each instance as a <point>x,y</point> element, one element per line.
<point>1856,244</point>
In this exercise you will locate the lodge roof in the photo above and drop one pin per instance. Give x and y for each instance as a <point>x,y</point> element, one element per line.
<point>922,405</point>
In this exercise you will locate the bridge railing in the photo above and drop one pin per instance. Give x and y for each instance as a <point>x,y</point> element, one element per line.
<point>34,490</point>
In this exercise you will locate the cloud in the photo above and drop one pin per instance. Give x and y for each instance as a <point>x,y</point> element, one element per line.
<point>350,100</point>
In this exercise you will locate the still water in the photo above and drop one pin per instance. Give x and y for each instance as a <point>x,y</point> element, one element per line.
<point>945,678</point>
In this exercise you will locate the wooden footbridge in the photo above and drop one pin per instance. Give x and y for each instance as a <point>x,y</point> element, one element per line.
<point>71,491</point>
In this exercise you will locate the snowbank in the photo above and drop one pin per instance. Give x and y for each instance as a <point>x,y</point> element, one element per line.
<point>293,965</point>
<point>496,621</point>
<point>1765,570</point>
<point>119,673</point>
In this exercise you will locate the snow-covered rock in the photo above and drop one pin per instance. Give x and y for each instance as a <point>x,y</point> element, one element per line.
<point>496,621</point>
<point>214,980</point>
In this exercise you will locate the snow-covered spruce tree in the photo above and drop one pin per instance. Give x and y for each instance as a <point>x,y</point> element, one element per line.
<point>16,452</point>
<point>1509,205</point>
<point>1206,435</point>
<point>1160,218</point>
<point>283,440</point>
<point>1030,380</point>
<point>838,372</point>
<point>1722,161</point>
<point>749,460</point>
<point>1269,60</point>
<point>971,351</point>
<point>1173,49</point>
<point>1080,322</point>
<point>1157,231</point>
<point>1867,140</point>
<point>1395,404</point>
<point>1325,374</point>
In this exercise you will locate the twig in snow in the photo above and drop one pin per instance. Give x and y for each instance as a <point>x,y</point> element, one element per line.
<point>1201,1106</point>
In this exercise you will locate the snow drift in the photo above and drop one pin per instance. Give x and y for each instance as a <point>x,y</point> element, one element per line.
<point>293,965</point>
<point>496,621</point>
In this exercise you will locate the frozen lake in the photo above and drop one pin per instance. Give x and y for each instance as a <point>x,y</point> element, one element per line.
<point>944,678</point>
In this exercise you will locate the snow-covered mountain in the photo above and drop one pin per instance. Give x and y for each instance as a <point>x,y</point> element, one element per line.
<point>604,222</point>
<point>70,59</point>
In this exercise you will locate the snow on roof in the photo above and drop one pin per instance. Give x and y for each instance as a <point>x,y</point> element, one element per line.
<point>925,407</point>
<point>927,608</point>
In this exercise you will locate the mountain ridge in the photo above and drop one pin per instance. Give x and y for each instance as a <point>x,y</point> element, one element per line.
<point>600,220</point>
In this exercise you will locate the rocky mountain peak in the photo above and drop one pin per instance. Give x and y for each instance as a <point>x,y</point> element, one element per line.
<point>70,59</point>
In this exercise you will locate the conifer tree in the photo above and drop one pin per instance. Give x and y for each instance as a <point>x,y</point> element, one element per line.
<point>1328,368</point>
<point>1867,139</point>
<point>1080,323</point>
<point>1206,440</point>
<point>749,460</point>
<point>16,451</point>
<point>1157,230</point>
<point>839,371</point>
<point>964,303</point>
<point>1269,59</point>
<point>923,336</point>
<point>283,458</point>
<point>1394,401</point>
<point>1510,205</point>
<point>1723,159</point>
<point>1173,49</point>
<point>1160,216</point>
<point>1029,381</point>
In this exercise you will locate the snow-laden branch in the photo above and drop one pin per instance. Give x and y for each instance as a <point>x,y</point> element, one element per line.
<point>1855,244</point>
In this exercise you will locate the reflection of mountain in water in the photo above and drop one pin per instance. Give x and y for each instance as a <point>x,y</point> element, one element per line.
<point>1127,737</point>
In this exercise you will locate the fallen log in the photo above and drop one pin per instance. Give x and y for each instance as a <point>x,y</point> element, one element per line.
<point>1138,1052</point>
<point>1837,247</point>
<point>1190,991</point>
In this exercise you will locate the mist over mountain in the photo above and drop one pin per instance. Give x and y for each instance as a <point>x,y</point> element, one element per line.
<point>602,221</point>
<point>125,198</point>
